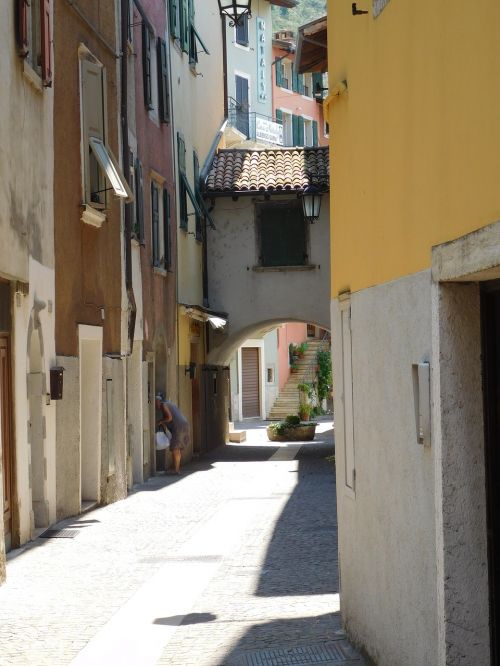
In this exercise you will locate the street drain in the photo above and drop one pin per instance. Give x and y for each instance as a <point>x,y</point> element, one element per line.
<point>59,534</point>
<point>336,652</point>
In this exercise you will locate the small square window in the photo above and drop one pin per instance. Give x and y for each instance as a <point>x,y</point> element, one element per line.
<point>270,375</point>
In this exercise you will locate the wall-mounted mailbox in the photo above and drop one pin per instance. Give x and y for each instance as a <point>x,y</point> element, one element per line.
<point>56,382</point>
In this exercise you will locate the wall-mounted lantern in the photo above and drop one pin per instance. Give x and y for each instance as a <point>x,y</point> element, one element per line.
<point>235,10</point>
<point>311,203</point>
<point>56,382</point>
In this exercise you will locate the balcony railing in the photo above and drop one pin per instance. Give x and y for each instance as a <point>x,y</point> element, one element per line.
<point>255,125</point>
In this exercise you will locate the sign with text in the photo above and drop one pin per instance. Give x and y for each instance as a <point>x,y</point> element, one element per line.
<point>268,131</point>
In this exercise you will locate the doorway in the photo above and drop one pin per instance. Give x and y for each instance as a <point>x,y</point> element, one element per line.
<point>6,443</point>
<point>90,412</point>
<point>195,396</point>
<point>490,314</point>
<point>250,382</point>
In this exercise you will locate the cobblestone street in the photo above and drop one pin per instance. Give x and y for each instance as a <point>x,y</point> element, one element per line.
<point>233,563</point>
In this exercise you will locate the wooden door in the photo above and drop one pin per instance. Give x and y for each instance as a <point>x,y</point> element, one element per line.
<point>490,311</point>
<point>250,382</point>
<point>195,398</point>
<point>6,433</point>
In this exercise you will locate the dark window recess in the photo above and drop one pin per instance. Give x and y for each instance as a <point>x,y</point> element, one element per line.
<point>282,234</point>
<point>242,31</point>
<point>5,307</point>
<point>167,238</point>
<point>242,105</point>
<point>139,203</point>
<point>183,208</point>
<point>155,225</point>
<point>198,218</point>
<point>146,66</point>
<point>280,72</point>
<point>164,99</point>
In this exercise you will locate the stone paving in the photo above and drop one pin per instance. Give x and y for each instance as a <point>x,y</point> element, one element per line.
<point>233,563</point>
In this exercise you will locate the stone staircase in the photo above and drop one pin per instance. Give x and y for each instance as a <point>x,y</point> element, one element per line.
<point>287,401</point>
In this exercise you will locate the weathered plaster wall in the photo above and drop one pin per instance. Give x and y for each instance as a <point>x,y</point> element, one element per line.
<point>271,362</point>
<point>387,530</point>
<point>243,60</point>
<point>113,431</point>
<point>68,440</point>
<point>288,333</point>
<point>461,530</point>
<point>256,299</point>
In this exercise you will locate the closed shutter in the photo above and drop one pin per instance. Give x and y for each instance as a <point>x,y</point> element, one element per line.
<point>300,83</point>
<point>173,6</point>
<point>196,175</point>
<point>282,235</point>
<point>184,24</point>
<point>166,230</point>
<point>250,382</point>
<point>139,201</point>
<point>315,132</point>
<point>279,74</point>
<point>181,148</point>
<point>279,116</point>
<point>146,66</point>
<point>46,47</point>
<point>295,79</point>
<point>300,131</point>
<point>193,50</point>
<point>155,224</point>
<point>295,130</point>
<point>163,81</point>
<point>22,26</point>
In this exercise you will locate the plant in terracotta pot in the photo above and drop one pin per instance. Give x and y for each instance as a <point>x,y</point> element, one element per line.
<point>305,412</point>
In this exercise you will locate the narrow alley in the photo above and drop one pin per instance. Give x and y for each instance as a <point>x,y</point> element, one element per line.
<point>233,563</point>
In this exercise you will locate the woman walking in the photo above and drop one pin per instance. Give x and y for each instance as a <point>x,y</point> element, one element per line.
<point>178,425</point>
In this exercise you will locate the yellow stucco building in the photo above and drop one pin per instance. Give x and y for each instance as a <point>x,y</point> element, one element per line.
<point>413,106</point>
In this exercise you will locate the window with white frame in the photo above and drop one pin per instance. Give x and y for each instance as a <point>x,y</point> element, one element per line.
<point>287,129</point>
<point>287,74</point>
<point>308,132</point>
<point>99,165</point>
<point>308,85</point>
<point>34,36</point>
<point>160,225</point>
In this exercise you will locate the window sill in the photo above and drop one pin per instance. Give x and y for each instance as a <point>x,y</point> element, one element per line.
<point>92,216</point>
<point>33,78</point>
<point>287,90</point>
<point>283,269</point>
<point>243,47</point>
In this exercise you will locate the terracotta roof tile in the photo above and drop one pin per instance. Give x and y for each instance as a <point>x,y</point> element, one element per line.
<point>270,170</point>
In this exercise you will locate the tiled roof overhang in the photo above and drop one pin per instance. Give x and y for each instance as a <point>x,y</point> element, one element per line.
<point>240,172</point>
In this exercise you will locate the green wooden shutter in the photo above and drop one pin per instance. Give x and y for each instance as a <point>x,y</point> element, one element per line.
<point>315,133</point>
<point>300,131</point>
<point>164,101</point>
<point>295,130</point>
<point>146,66</point>
<point>196,174</point>
<point>155,224</point>
<point>167,249</point>
<point>279,116</point>
<point>279,74</point>
<point>184,25</point>
<point>283,235</point>
<point>295,79</point>
<point>300,83</point>
<point>139,201</point>
<point>173,10</point>
<point>183,214</point>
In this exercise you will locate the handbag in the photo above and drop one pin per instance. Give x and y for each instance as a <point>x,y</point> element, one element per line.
<point>162,438</point>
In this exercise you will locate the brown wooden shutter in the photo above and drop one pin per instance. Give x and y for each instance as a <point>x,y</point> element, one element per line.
<point>155,223</point>
<point>167,250</point>
<point>22,26</point>
<point>250,382</point>
<point>45,19</point>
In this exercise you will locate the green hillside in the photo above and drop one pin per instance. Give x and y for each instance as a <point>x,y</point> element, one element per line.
<point>291,19</point>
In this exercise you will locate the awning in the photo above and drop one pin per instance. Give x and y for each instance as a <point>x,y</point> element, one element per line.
<point>216,319</point>
<point>311,54</point>
<point>110,166</point>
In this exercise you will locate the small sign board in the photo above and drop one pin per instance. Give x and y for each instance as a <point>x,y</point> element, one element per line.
<point>268,131</point>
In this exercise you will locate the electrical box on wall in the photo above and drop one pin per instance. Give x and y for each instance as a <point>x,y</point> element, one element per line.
<point>422,398</point>
<point>56,382</point>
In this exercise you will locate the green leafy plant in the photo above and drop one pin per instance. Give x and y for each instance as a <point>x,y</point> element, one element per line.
<point>302,348</point>
<point>305,388</point>
<point>305,412</point>
<point>292,420</point>
<point>325,379</point>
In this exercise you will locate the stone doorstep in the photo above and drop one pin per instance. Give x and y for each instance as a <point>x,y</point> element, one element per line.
<point>238,436</point>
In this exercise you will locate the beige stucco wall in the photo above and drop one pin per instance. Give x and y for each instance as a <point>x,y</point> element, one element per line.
<point>27,255</point>
<point>387,529</point>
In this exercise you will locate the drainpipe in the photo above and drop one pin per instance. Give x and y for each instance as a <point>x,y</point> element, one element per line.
<point>125,17</point>
<point>224,64</point>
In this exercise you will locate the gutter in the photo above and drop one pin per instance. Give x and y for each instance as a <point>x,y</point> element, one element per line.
<point>132,307</point>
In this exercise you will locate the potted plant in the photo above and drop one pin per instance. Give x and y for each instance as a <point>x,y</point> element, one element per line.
<point>305,412</point>
<point>291,430</point>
